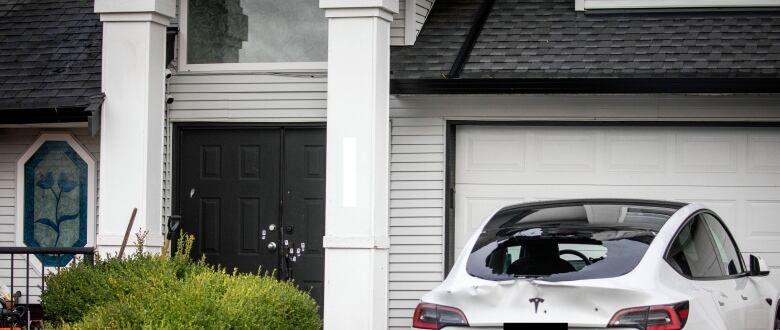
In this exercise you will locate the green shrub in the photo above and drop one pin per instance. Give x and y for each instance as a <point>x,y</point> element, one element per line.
<point>147,292</point>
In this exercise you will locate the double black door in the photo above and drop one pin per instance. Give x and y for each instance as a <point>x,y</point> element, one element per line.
<point>255,199</point>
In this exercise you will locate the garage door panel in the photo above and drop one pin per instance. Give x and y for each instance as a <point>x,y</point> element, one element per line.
<point>618,156</point>
<point>764,153</point>
<point>761,226</point>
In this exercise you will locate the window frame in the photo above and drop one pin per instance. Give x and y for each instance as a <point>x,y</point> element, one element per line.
<point>92,182</point>
<point>745,270</point>
<point>184,66</point>
<point>687,221</point>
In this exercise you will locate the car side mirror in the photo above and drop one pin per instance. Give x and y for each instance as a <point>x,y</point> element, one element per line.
<point>758,266</point>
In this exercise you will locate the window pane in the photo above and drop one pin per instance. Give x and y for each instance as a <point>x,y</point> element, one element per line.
<point>255,31</point>
<point>729,257</point>
<point>692,252</point>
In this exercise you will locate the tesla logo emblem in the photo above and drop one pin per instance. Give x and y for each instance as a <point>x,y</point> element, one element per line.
<point>536,302</point>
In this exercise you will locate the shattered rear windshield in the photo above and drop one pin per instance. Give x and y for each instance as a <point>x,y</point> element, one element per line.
<point>565,242</point>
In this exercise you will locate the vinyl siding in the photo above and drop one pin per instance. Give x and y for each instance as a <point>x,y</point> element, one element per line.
<point>416,214</point>
<point>409,20</point>
<point>422,8</point>
<point>13,143</point>
<point>398,26</point>
<point>247,97</point>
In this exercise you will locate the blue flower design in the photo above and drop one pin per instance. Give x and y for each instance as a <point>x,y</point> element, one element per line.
<point>46,181</point>
<point>65,184</point>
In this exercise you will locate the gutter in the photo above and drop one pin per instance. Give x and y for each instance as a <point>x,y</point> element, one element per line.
<point>586,86</point>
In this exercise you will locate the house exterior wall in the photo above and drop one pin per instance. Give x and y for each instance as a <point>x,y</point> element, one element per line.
<point>398,26</point>
<point>409,20</point>
<point>421,10</point>
<point>247,97</point>
<point>13,143</point>
<point>418,153</point>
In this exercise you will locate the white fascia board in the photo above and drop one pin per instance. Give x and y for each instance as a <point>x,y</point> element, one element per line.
<point>389,5</point>
<point>649,4</point>
<point>161,7</point>
<point>410,33</point>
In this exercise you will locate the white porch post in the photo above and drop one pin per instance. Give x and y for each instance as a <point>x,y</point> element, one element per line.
<point>356,217</point>
<point>131,138</point>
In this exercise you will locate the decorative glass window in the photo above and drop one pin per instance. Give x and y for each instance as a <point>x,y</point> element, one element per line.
<point>254,31</point>
<point>56,198</point>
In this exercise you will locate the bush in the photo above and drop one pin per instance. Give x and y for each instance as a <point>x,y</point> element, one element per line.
<point>147,292</point>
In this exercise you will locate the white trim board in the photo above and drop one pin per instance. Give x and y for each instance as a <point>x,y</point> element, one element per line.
<point>184,66</point>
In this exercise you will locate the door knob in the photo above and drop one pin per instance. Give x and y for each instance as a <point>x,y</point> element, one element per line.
<point>272,246</point>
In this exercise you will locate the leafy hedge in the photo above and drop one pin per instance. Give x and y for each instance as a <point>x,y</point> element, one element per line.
<point>148,292</point>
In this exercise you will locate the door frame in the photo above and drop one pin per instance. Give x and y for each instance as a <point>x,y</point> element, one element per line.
<point>175,159</point>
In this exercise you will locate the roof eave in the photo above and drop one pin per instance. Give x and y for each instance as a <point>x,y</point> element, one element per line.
<point>44,115</point>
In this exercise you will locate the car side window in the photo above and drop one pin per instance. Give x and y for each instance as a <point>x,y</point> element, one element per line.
<point>692,253</point>
<point>727,250</point>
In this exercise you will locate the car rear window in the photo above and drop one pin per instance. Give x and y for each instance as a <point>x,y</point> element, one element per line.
<point>565,242</point>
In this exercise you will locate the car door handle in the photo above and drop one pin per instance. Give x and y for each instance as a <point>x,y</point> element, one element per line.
<point>743,297</point>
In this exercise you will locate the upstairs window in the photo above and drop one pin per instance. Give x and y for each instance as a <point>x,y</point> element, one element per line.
<point>253,31</point>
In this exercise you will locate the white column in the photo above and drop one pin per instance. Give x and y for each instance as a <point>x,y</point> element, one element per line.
<point>131,135</point>
<point>356,218</point>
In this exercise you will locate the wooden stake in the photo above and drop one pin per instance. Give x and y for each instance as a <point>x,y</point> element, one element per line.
<point>127,233</point>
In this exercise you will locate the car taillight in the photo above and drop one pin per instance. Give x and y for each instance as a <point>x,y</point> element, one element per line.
<point>432,316</point>
<point>660,317</point>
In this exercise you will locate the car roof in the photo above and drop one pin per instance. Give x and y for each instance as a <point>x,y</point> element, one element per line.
<point>585,212</point>
<point>597,201</point>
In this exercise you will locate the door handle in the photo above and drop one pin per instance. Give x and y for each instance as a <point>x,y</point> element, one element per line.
<point>721,303</point>
<point>743,297</point>
<point>272,246</point>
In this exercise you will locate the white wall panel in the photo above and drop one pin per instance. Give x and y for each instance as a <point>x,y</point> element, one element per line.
<point>416,214</point>
<point>249,96</point>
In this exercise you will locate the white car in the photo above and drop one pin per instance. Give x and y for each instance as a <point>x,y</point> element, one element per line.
<point>597,264</point>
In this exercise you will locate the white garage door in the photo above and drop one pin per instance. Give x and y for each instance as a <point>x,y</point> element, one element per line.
<point>734,171</point>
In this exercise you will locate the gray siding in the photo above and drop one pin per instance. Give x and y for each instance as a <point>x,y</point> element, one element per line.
<point>247,97</point>
<point>412,20</point>
<point>13,143</point>
<point>398,26</point>
<point>416,214</point>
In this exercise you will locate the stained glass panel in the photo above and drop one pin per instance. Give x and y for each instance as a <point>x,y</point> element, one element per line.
<point>55,200</point>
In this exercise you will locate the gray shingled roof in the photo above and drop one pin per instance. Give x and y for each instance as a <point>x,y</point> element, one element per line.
<point>49,53</point>
<point>549,39</point>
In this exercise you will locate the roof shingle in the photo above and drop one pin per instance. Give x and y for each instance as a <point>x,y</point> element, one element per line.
<point>549,39</point>
<point>50,53</point>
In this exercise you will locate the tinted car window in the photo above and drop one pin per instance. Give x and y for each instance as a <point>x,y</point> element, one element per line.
<point>566,242</point>
<point>692,252</point>
<point>727,251</point>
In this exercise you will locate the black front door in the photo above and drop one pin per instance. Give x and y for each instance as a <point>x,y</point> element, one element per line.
<point>255,199</point>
